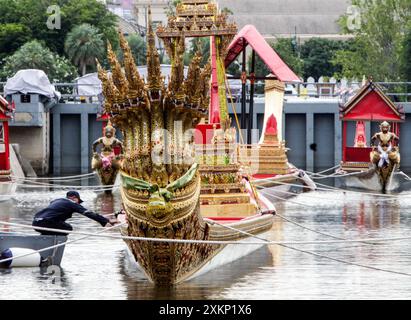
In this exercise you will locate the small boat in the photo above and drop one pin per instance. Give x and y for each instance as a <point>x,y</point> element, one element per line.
<point>167,191</point>
<point>372,167</point>
<point>166,263</point>
<point>14,244</point>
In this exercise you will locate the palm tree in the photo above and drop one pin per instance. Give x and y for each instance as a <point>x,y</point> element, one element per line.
<point>83,45</point>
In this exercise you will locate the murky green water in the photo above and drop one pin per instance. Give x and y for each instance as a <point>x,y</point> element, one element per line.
<point>97,269</point>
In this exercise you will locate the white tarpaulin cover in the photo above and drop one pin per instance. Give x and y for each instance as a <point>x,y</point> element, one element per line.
<point>88,85</point>
<point>31,81</point>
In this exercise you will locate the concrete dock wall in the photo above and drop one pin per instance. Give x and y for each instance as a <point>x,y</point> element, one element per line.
<point>58,140</point>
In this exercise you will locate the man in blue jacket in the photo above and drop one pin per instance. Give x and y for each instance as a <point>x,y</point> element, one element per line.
<point>59,210</point>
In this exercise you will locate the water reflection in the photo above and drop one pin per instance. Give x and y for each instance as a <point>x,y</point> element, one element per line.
<point>371,214</point>
<point>97,268</point>
<point>199,288</point>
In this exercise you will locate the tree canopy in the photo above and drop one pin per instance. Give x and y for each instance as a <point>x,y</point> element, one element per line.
<point>32,17</point>
<point>83,46</point>
<point>406,55</point>
<point>12,37</point>
<point>378,33</point>
<point>34,55</point>
<point>138,49</point>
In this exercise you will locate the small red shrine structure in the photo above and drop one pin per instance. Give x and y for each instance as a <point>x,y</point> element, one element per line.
<point>369,104</point>
<point>4,138</point>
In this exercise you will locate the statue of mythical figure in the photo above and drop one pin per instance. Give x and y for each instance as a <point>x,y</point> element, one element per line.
<point>107,163</point>
<point>385,153</point>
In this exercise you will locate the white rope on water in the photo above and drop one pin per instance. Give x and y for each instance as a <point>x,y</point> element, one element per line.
<point>51,185</point>
<point>77,177</point>
<point>316,254</point>
<point>263,241</point>
<point>319,175</point>
<point>392,196</point>
<point>288,200</point>
<point>336,175</point>
<point>328,188</point>
<point>212,242</point>
<point>60,244</point>
<point>62,187</point>
<point>326,170</point>
<point>273,193</point>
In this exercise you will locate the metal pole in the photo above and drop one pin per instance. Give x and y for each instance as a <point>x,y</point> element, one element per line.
<point>243,93</point>
<point>251,107</point>
<point>344,142</point>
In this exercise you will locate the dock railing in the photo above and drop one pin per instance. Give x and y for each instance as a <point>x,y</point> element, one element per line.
<point>397,91</point>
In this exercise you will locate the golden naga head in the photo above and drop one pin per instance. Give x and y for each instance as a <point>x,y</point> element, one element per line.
<point>109,130</point>
<point>385,126</point>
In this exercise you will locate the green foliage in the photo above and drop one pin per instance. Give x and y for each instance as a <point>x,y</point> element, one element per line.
<point>138,49</point>
<point>379,40</point>
<point>318,56</point>
<point>33,55</point>
<point>406,55</point>
<point>202,44</point>
<point>76,12</point>
<point>12,37</point>
<point>348,61</point>
<point>32,14</point>
<point>83,45</point>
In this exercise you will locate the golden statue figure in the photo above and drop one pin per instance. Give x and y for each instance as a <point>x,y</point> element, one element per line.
<point>385,152</point>
<point>385,155</point>
<point>107,163</point>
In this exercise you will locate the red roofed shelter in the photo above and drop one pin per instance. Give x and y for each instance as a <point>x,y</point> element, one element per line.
<point>249,36</point>
<point>369,104</point>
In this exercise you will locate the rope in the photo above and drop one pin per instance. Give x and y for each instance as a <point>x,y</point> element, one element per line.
<point>291,201</point>
<point>33,183</point>
<point>328,188</point>
<point>307,228</point>
<point>61,178</point>
<point>317,254</point>
<point>336,175</point>
<point>233,107</point>
<point>336,189</point>
<point>93,188</point>
<point>272,193</point>
<point>283,244</point>
<point>212,242</point>
<point>329,169</point>
<point>60,244</point>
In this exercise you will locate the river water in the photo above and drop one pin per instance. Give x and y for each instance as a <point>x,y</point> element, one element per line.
<point>97,268</point>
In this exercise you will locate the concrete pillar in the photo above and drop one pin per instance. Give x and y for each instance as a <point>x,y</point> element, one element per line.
<point>56,144</point>
<point>85,152</point>
<point>338,139</point>
<point>368,133</point>
<point>309,140</point>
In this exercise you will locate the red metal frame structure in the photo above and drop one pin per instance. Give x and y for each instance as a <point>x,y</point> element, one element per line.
<point>4,136</point>
<point>249,36</point>
<point>369,104</point>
